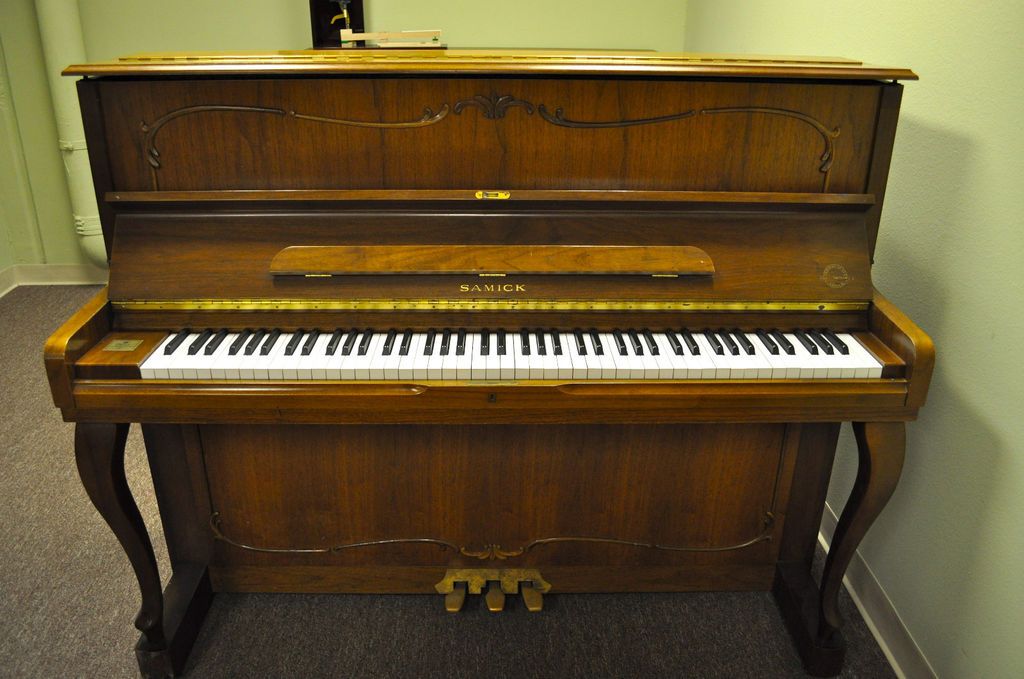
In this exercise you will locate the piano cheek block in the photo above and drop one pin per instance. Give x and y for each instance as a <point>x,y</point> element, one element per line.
<point>505,385</point>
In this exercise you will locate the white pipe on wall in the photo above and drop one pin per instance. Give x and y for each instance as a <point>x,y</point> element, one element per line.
<point>61,30</point>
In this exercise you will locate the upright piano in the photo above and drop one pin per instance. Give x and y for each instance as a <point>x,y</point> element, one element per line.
<point>496,323</point>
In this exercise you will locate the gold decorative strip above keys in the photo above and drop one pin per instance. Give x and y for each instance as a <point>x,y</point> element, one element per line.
<point>475,305</point>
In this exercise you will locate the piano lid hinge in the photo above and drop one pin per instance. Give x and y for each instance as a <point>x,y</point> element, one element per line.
<point>491,275</point>
<point>664,275</point>
<point>317,275</point>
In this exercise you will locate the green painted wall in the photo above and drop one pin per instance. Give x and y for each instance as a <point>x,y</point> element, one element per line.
<point>949,548</point>
<point>117,27</point>
<point>30,99</point>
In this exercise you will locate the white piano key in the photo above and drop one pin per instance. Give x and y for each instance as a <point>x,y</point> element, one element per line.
<point>811,367</point>
<point>606,361</point>
<point>867,366</point>
<point>492,362</point>
<point>407,365</point>
<point>156,364</point>
<point>479,363</point>
<point>316,363</point>
<point>435,361</point>
<point>464,362</point>
<point>549,362</point>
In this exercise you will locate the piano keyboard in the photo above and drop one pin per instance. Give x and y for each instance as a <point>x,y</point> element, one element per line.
<point>526,354</point>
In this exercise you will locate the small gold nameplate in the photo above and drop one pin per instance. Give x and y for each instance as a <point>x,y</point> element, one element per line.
<point>123,345</point>
<point>493,195</point>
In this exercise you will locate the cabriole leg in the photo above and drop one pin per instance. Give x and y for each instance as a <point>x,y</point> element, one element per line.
<point>99,453</point>
<point>881,447</point>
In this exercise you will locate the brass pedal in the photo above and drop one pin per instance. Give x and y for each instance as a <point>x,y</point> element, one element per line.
<point>454,599</point>
<point>495,598</point>
<point>532,597</point>
<point>458,582</point>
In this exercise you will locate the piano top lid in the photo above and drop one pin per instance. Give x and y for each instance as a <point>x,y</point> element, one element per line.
<point>492,61</point>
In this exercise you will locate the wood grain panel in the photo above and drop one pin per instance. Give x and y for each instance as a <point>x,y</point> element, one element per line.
<point>696,487</point>
<point>757,256</point>
<point>474,133</point>
<point>683,260</point>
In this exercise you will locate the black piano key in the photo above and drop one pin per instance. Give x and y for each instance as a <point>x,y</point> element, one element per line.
<point>428,346</point>
<point>501,342</point>
<point>198,342</point>
<point>556,342</point>
<point>716,346</point>
<point>581,346</point>
<point>403,350</point>
<point>542,347</point>
<point>254,342</point>
<point>809,345</point>
<point>172,346</point>
<point>821,342</point>
<point>691,343</point>
<point>786,345</point>
<point>332,344</point>
<point>595,339</point>
<point>215,342</point>
<point>311,338</point>
<point>673,341</point>
<point>460,343</point>
<point>364,345</point>
<point>350,342</point>
<point>836,342</point>
<point>652,346</point>
<point>271,340</point>
<point>768,342</point>
<point>389,342</point>
<point>729,343</point>
<point>524,337</point>
<point>741,338</point>
<point>446,341</point>
<point>620,342</point>
<point>293,343</point>
<point>239,342</point>
<point>634,339</point>
<point>485,342</point>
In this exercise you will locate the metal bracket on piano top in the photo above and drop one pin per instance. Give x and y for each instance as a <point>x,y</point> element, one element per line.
<point>476,304</point>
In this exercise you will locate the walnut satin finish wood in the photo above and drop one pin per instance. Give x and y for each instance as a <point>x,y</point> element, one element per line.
<point>486,190</point>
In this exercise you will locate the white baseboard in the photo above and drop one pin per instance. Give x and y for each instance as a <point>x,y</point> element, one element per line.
<point>878,612</point>
<point>50,274</point>
<point>8,281</point>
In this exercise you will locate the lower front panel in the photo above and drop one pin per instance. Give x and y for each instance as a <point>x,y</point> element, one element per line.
<point>592,508</point>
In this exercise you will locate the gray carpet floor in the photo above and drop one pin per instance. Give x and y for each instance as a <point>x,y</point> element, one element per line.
<point>68,597</point>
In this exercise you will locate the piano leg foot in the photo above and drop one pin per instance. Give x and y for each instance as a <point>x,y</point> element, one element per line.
<point>99,454</point>
<point>188,597</point>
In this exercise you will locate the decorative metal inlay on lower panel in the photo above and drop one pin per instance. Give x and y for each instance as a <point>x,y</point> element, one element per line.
<point>491,552</point>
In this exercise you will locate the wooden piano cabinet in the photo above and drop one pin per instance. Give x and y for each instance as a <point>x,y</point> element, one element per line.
<point>376,508</point>
<point>464,189</point>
